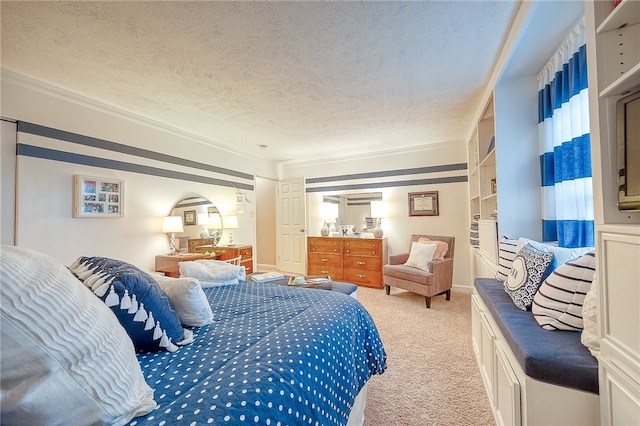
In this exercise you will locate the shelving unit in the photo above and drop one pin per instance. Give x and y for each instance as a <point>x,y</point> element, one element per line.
<point>483,197</point>
<point>613,35</point>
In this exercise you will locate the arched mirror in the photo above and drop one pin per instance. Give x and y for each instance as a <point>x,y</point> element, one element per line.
<point>200,219</point>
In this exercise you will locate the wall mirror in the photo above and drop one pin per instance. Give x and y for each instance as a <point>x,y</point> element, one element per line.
<point>200,219</point>
<point>354,209</point>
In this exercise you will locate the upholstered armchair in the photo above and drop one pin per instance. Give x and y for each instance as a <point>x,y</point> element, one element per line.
<point>435,282</point>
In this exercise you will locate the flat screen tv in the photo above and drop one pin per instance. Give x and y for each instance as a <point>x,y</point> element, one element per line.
<point>628,129</point>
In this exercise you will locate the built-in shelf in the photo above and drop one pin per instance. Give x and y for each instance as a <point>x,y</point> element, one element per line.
<point>626,13</point>
<point>629,82</point>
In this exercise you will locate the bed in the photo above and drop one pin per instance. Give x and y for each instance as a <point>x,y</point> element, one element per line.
<point>269,354</point>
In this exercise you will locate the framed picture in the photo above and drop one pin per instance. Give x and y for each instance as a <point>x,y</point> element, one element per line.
<point>423,203</point>
<point>96,197</point>
<point>190,217</point>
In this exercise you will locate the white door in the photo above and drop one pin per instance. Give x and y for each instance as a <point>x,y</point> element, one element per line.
<point>291,213</point>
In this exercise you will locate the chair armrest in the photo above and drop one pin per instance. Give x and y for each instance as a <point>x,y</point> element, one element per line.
<point>441,266</point>
<point>398,259</point>
<point>443,273</point>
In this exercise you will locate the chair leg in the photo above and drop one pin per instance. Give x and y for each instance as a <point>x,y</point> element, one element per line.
<point>448,294</point>
<point>428,300</point>
<point>387,289</point>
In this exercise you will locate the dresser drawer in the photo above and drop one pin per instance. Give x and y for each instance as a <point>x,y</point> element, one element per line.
<point>248,266</point>
<point>325,245</point>
<point>363,247</point>
<point>333,272</point>
<point>362,263</point>
<point>325,260</point>
<point>246,252</point>
<point>363,277</point>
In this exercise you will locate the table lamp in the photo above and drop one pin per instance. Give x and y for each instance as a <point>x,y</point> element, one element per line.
<point>230,222</point>
<point>377,212</point>
<point>171,225</point>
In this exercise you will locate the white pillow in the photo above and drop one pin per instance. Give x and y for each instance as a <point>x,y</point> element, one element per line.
<point>508,248</point>
<point>558,303</point>
<point>421,255</point>
<point>188,299</point>
<point>65,357</point>
<point>561,255</point>
<point>589,336</point>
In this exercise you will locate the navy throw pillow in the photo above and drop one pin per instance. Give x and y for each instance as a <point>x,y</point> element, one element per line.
<point>141,306</point>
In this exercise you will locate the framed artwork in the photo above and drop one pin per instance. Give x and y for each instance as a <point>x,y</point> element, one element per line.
<point>96,197</point>
<point>190,217</point>
<point>423,203</point>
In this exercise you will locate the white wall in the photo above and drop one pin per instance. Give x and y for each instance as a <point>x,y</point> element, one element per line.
<point>453,219</point>
<point>265,202</point>
<point>44,187</point>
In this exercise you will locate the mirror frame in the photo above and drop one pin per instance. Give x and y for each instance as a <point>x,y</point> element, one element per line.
<point>197,205</point>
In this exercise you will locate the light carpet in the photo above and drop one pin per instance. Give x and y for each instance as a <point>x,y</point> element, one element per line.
<point>432,376</point>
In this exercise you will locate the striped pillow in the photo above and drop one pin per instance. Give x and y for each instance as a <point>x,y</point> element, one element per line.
<point>506,253</point>
<point>558,303</point>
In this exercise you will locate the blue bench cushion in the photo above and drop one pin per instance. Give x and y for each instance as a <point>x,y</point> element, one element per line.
<point>345,288</point>
<point>556,357</point>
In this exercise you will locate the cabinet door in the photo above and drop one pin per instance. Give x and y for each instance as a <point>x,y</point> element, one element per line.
<point>507,391</point>
<point>476,330</point>
<point>487,359</point>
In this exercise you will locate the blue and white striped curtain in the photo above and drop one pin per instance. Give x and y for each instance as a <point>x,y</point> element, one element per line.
<point>565,147</point>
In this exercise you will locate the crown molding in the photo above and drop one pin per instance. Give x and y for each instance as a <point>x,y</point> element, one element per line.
<point>45,88</point>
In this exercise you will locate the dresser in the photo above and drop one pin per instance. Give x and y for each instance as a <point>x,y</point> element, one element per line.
<point>198,245</point>
<point>354,260</point>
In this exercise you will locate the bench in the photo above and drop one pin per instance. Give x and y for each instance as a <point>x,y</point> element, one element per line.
<point>532,375</point>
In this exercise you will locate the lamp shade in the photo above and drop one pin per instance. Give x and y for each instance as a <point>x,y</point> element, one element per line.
<point>214,222</point>
<point>172,224</point>
<point>203,219</point>
<point>230,222</point>
<point>377,209</point>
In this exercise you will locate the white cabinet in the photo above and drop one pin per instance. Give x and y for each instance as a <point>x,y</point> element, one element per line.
<point>613,54</point>
<point>517,399</point>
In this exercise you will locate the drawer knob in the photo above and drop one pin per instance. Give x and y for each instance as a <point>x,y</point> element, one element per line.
<point>324,259</point>
<point>361,275</point>
<point>361,263</point>
<point>324,272</point>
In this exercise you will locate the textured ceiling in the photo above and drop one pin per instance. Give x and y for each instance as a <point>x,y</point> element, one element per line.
<point>307,79</point>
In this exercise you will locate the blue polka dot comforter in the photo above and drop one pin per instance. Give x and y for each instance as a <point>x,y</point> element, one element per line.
<point>274,355</point>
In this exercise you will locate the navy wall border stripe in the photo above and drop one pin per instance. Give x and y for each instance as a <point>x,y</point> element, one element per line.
<point>49,132</point>
<point>350,187</point>
<point>68,157</point>
<point>387,173</point>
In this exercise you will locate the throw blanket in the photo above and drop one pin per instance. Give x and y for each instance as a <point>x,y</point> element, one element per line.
<point>212,272</point>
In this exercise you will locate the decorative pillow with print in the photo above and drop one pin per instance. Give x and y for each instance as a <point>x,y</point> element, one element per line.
<point>141,306</point>
<point>527,272</point>
<point>441,247</point>
<point>558,303</point>
<point>507,251</point>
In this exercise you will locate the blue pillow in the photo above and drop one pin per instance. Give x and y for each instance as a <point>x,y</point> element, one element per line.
<point>141,306</point>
